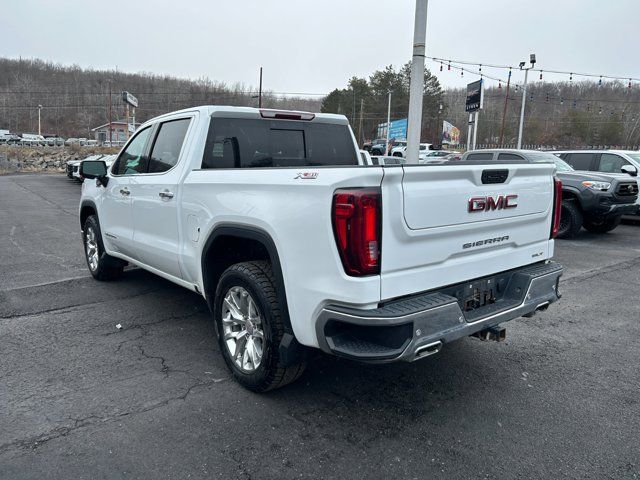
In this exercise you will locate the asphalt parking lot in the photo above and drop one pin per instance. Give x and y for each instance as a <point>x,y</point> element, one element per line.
<point>80,399</point>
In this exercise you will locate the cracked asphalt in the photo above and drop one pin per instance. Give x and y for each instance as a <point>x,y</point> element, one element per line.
<point>80,399</point>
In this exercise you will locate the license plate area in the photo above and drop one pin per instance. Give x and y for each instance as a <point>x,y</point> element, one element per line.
<point>477,294</point>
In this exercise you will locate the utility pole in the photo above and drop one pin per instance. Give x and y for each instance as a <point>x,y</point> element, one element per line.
<point>361,118</point>
<point>386,148</point>
<point>39,129</point>
<point>260,90</point>
<point>110,129</point>
<point>504,110</point>
<point>416,87</point>
<point>532,59</point>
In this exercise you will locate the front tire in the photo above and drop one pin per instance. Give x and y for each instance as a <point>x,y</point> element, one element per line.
<point>101,265</point>
<point>570,220</point>
<point>603,226</point>
<point>249,324</point>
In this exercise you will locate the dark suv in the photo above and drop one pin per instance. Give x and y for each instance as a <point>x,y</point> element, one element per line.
<point>593,200</point>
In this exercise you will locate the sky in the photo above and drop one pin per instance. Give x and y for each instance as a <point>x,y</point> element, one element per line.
<point>310,46</point>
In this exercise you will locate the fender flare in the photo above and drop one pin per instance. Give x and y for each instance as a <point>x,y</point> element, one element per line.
<point>86,203</point>
<point>251,233</point>
<point>290,350</point>
<point>574,191</point>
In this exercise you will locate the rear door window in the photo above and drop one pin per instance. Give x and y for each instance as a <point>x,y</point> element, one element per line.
<point>580,161</point>
<point>133,160</point>
<point>254,143</point>
<point>167,145</point>
<point>611,163</point>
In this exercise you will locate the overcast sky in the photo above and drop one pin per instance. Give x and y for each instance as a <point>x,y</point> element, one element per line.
<point>315,46</point>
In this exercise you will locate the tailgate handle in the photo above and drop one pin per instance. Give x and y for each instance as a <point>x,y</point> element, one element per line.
<point>494,176</point>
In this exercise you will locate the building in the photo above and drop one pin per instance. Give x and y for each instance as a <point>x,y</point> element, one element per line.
<point>118,131</point>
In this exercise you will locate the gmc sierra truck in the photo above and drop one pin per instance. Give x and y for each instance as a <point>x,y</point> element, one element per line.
<point>296,246</point>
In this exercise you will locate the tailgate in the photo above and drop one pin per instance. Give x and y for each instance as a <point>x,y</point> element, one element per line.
<point>451,223</point>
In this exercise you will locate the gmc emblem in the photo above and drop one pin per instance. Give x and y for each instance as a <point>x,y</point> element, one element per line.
<point>484,204</point>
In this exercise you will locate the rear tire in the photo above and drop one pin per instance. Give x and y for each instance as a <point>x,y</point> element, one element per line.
<point>249,324</point>
<point>603,226</point>
<point>101,266</point>
<point>570,219</point>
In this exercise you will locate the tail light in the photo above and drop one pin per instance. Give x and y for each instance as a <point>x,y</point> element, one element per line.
<point>557,207</point>
<point>357,226</point>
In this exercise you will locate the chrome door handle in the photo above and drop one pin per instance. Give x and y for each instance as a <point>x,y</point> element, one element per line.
<point>166,194</point>
<point>125,191</point>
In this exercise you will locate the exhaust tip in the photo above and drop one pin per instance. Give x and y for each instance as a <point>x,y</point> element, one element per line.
<point>429,349</point>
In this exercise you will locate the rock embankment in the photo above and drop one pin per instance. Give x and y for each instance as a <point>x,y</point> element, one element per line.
<point>44,159</point>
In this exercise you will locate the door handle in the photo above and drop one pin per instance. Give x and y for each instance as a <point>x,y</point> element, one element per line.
<point>166,194</point>
<point>125,191</point>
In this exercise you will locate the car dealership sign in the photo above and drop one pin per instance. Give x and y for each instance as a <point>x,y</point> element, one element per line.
<point>475,96</point>
<point>129,99</point>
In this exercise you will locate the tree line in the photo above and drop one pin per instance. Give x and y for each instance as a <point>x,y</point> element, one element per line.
<point>74,99</point>
<point>568,114</point>
<point>561,114</point>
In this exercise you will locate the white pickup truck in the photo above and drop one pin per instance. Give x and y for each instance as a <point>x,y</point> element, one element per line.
<point>296,245</point>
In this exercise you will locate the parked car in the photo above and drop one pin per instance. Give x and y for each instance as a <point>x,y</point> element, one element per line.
<point>71,141</point>
<point>369,145</point>
<point>605,161</point>
<point>73,169</point>
<point>10,139</point>
<point>31,139</point>
<point>271,218</point>
<point>595,201</point>
<point>433,156</point>
<point>401,151</point>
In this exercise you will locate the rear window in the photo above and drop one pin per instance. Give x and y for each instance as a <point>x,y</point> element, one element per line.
<point>254,143</point>
<point>580,161</point>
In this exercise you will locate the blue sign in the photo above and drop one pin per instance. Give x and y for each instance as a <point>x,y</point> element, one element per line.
<point>397,131</point>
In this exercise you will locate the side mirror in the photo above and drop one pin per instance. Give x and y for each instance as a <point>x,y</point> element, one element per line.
<point>94,169</point>
<point>630,169</point>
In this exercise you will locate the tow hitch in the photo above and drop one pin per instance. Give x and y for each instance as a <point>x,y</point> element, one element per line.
<point>496,334</point>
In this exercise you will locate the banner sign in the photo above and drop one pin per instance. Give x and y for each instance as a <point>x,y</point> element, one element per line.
<point>475,96</point>
<point>398,129</point>
<point>450,134</point>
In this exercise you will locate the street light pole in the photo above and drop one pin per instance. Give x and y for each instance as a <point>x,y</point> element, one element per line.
<point>416,87</point>
<point>532,59</point>
<point>39,129</point>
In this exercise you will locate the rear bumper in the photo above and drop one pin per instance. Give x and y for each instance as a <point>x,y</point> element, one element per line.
<point>407,328</point>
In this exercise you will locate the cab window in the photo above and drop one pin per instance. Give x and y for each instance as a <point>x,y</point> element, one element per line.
<point>167,145</point>
<point>132,159</point>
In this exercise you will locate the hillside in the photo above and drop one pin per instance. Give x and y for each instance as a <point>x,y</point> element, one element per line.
<point>74,99</point>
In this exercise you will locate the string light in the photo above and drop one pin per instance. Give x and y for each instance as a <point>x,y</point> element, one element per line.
<point>570,73</point>
<point>600,82</point>
<point>440,66</point>
<point>449,66</point>
<point>499,85</point>
<point>540,74</point>
<point>571,77</point>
